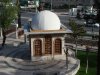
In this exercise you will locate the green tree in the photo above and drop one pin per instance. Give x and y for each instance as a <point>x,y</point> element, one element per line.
<point>7,15</point>
<point>76,31</point>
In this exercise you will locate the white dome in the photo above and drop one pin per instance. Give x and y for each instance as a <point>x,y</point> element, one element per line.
<point>46,20</point>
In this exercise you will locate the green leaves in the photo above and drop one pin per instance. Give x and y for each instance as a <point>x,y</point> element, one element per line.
<point>76,29</point>
<point>7,13</point>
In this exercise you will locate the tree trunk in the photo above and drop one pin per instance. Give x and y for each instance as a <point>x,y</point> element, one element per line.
<point>66,53</point>
<point>87,65</point>
<point>4,37</point>
<point>87,58</point>
<point>97,3</point>
<point>19,18</point>
<point>98,55</point>
<point>19,14</point>
<point>75,46</point>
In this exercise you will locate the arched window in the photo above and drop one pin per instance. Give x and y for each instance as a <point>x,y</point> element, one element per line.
<point>38,47</point>
<point>58,46</point>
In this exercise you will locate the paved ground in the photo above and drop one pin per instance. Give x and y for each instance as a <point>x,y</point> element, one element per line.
<point>15,60</point>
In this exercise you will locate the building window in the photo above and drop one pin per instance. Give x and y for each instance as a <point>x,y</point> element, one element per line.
<point>38,47</point>
<point>58,46</point>
<point>48,45</point>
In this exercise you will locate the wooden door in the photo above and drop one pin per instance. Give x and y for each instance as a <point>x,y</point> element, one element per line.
<point>58,45</point>
<point>38,47</point>
<point>48,45</point>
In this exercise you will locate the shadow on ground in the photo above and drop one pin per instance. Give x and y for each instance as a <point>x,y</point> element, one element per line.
<point>21,51</point>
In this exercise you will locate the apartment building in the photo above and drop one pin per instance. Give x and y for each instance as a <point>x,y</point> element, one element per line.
<point>56,3</point>
<point>85,2</point>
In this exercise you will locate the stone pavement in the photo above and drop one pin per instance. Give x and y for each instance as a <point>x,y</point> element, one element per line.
<point>15,60</point>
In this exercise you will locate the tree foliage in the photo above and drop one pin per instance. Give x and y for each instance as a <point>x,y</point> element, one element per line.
<point>7,13</point>
<point>76,29</point>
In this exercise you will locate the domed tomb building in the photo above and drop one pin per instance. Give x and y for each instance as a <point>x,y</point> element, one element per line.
<point>46,37</point>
